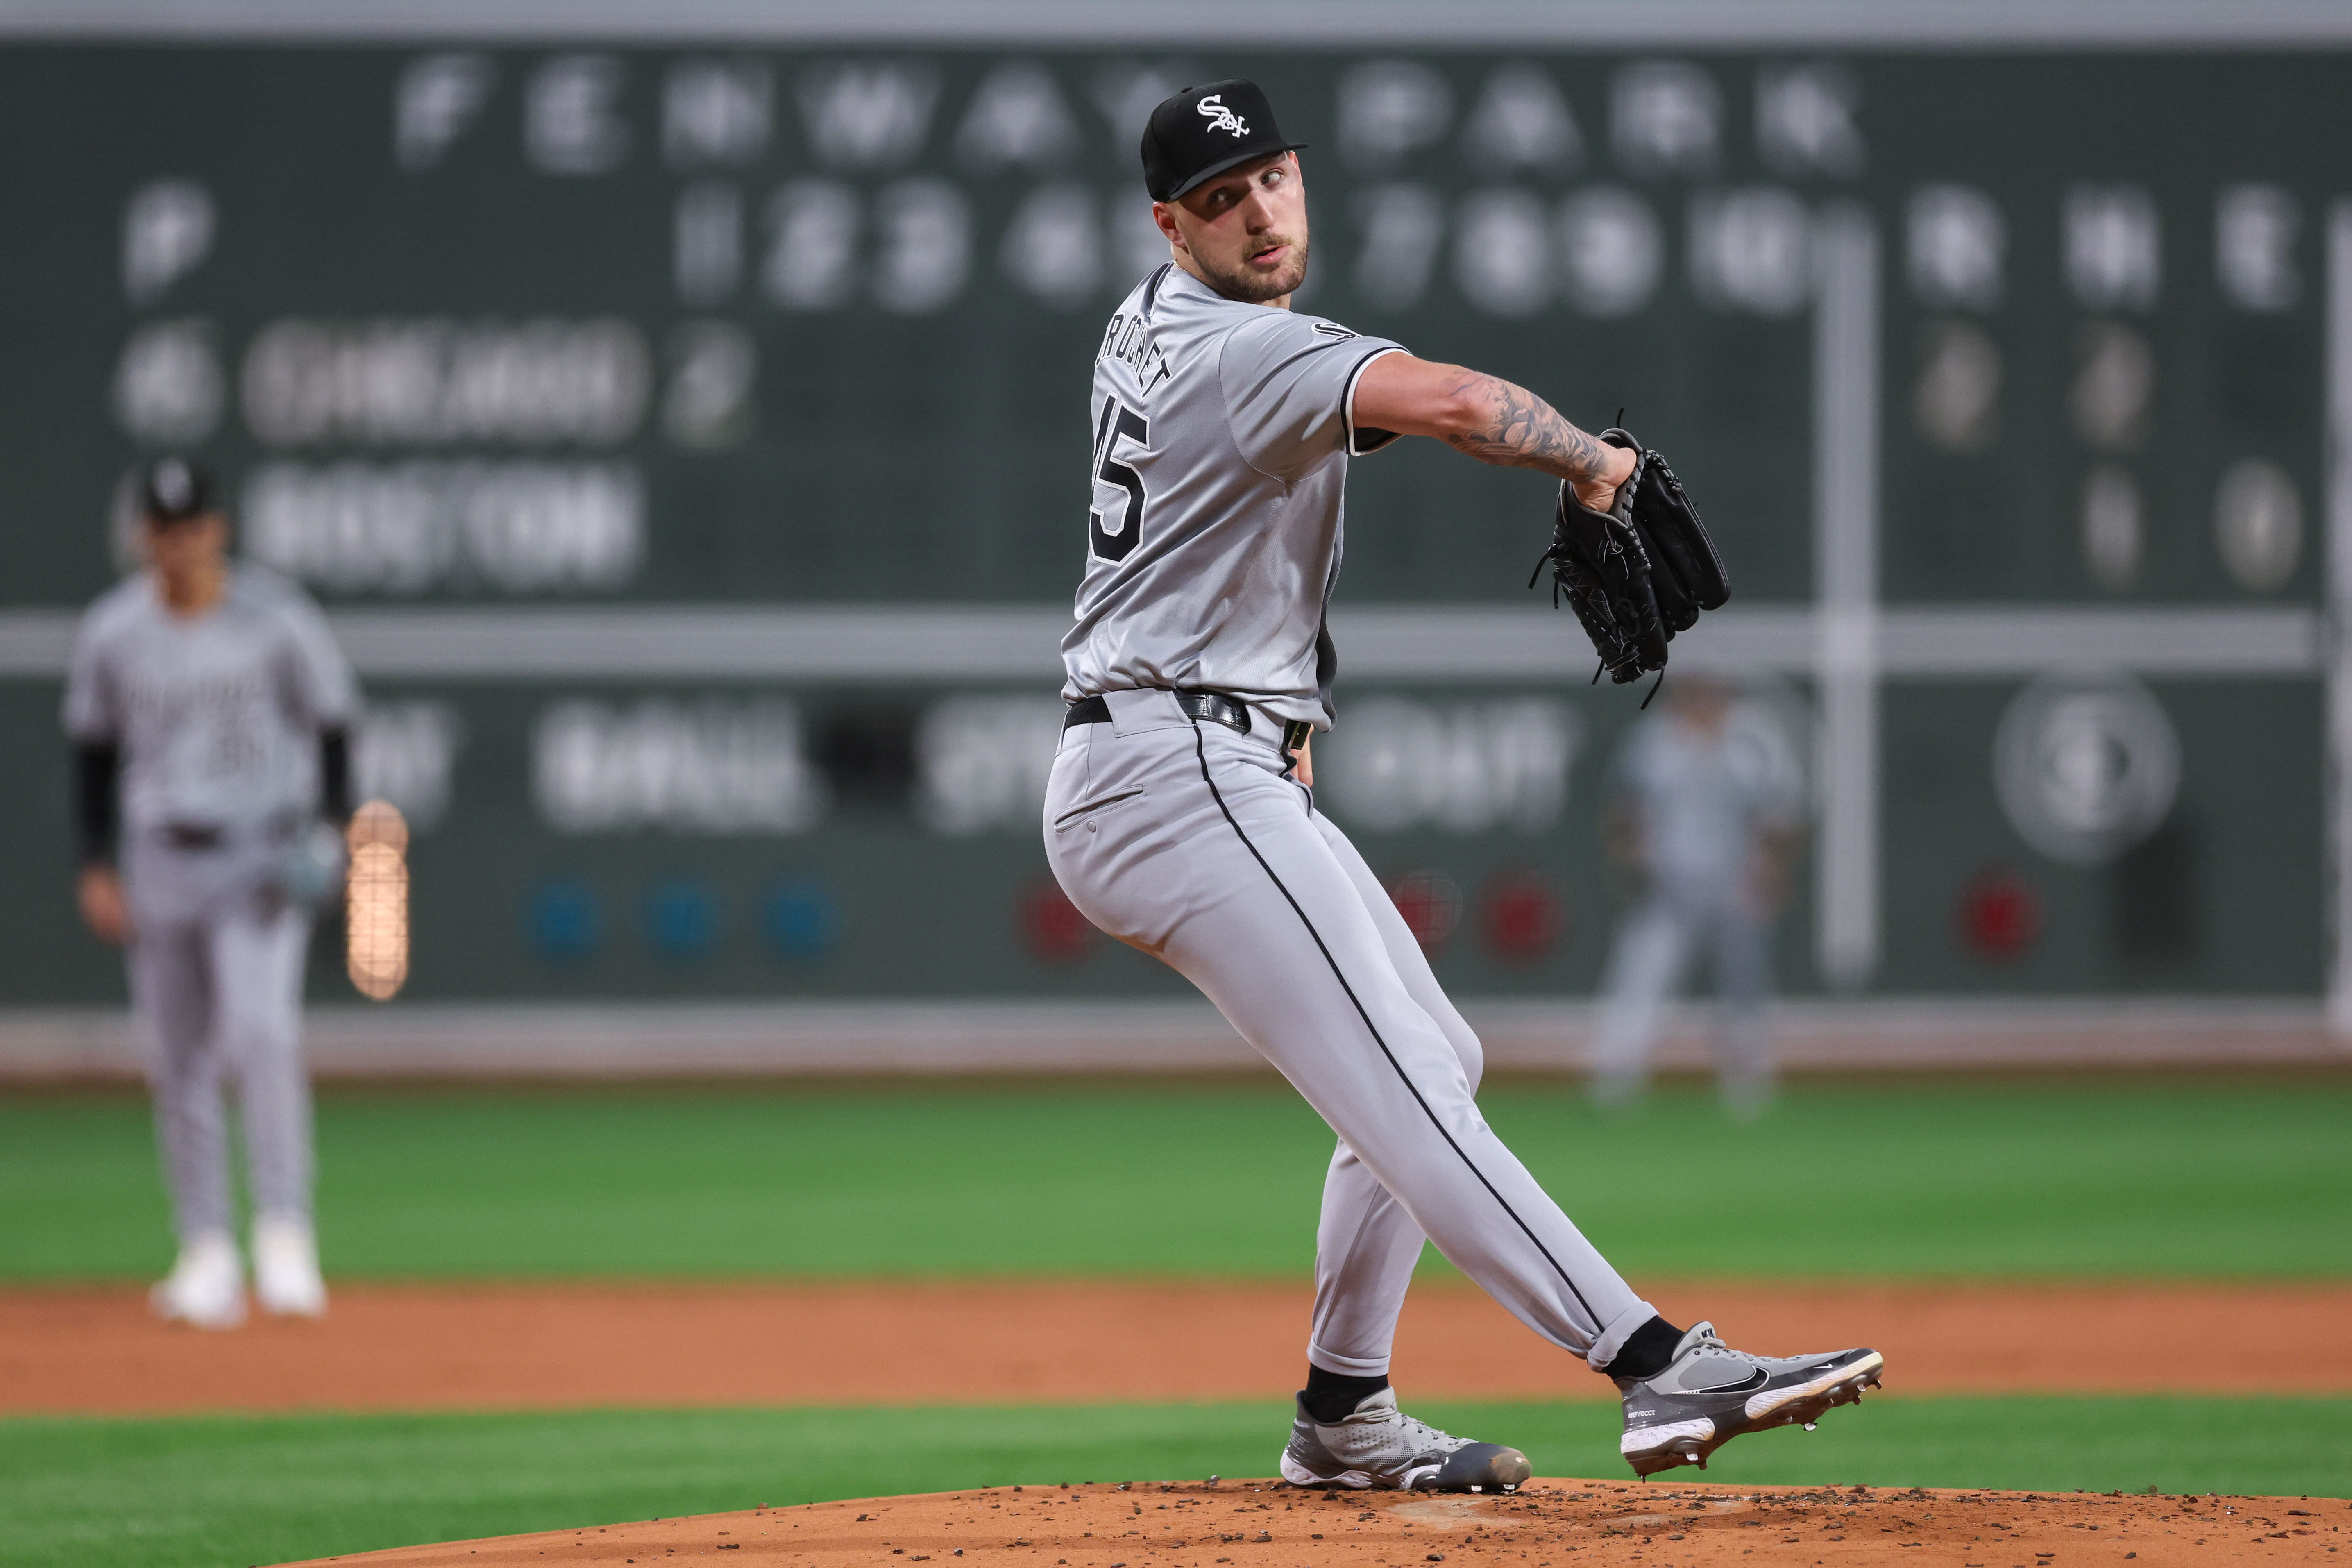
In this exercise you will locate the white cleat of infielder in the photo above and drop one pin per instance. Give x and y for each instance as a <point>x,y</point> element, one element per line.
<point>286,1268</point>
<point>206,1286</point>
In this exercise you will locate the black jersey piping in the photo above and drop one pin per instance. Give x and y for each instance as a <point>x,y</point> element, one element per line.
<point>1151,288</point>
<point>1200,750</point>
<point>1347,406</point>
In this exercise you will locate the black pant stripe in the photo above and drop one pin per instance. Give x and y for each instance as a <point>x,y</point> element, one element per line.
<point>1200,751</point>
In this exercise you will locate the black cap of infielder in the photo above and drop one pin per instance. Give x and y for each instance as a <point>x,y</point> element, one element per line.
<point>174,490</point>
<point>1203,132</point>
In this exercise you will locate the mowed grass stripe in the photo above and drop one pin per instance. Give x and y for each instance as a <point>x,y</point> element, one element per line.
<point>2112,1177</point>
<point>201,1492</point>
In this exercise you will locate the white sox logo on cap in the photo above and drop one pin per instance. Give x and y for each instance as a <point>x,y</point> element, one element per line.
<point>1203,132</point>
<point>1212,109</point>
<point>175,485</point>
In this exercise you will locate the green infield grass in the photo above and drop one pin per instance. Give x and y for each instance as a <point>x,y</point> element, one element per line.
<point>2173,1177</point>
<point>203,1492</point>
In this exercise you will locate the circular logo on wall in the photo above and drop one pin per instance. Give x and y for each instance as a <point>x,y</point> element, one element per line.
<point>2086,765</point>
<point>1431,903</point>
<point>2001,914</point>
<point>1523,916</point>
<point>1051,927</point>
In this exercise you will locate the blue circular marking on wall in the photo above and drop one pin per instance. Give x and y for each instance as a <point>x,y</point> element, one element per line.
<point>564,920</point>
<point>682,918</point>
<point>801,917</point>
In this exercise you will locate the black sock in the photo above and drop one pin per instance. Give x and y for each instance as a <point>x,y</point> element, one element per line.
<point>1330,1397</point>
<point>1647,1351</point>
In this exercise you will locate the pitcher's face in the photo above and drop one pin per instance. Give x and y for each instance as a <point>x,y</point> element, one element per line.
<point>1244,230</point>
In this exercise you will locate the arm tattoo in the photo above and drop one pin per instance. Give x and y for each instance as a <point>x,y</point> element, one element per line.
<point>1517,429</point>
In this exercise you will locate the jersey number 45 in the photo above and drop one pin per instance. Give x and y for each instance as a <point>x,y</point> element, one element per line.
<point>1113,541</point>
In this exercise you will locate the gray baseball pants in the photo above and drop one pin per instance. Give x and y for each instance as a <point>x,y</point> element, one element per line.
<point>1653,947</point>
<point>1185,839</point>
<point>220,996</point>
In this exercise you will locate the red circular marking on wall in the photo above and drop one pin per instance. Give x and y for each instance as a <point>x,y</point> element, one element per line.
<point>2001,914</point>
<point>1051,926</point>
<point>1522,916</point>
<point>1431,903</point>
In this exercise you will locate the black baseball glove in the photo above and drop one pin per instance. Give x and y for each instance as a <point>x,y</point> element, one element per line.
<point>1638,573</point>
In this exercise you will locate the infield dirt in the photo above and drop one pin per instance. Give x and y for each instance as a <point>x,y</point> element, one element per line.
<point>96,1350</point>
<point>1548,1524</point>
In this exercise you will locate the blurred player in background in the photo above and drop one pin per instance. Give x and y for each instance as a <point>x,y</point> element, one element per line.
<point>1708,813</point>
<point>209,708</point>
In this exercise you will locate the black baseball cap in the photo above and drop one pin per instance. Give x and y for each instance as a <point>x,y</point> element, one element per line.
<point>174,490</point>
<point>1203,132</point>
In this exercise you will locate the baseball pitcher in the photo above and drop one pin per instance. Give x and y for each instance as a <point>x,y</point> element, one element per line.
<point>209,708</point>
<point>1181,815</point>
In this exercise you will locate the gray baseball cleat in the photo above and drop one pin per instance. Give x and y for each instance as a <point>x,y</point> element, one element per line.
<point>1377,1445</point>
<point>1710,1394</point>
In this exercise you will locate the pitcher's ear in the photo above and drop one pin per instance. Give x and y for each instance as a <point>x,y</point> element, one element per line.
<point>1164,215</point>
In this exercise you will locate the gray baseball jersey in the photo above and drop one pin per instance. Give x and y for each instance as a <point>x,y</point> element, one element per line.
<point>1703,797</point>
<point>1223,432</point>
<point>218,716</point>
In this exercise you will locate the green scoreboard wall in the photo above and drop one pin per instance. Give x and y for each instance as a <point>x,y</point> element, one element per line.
<point>689,443</point>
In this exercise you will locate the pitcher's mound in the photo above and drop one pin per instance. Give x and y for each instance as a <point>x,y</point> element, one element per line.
<point>1547,1524</point>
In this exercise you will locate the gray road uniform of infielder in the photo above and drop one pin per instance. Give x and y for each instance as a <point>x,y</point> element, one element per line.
<point>216,721</point>
<point>1199,659</point>
<point>1704,798</point>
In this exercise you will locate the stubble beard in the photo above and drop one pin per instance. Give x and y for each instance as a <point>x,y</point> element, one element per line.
<point>1253,288</point>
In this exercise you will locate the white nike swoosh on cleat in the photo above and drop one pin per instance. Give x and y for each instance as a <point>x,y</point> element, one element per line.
<point>1773,1399</point>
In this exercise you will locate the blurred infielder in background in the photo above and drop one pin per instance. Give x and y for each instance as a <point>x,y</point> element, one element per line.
<point>1707,813</point>
<point>210,708</point>
<point>1179,815</point>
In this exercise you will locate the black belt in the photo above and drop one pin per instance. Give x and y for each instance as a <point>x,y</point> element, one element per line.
<point>193,835</point>
<point>1088,711</point>
<point>1210,705</point>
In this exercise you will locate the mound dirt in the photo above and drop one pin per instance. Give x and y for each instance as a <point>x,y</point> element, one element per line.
<point>1547,1524</point>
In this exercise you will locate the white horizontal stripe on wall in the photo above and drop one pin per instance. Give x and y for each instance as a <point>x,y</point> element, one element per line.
<point>1435,644</point>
